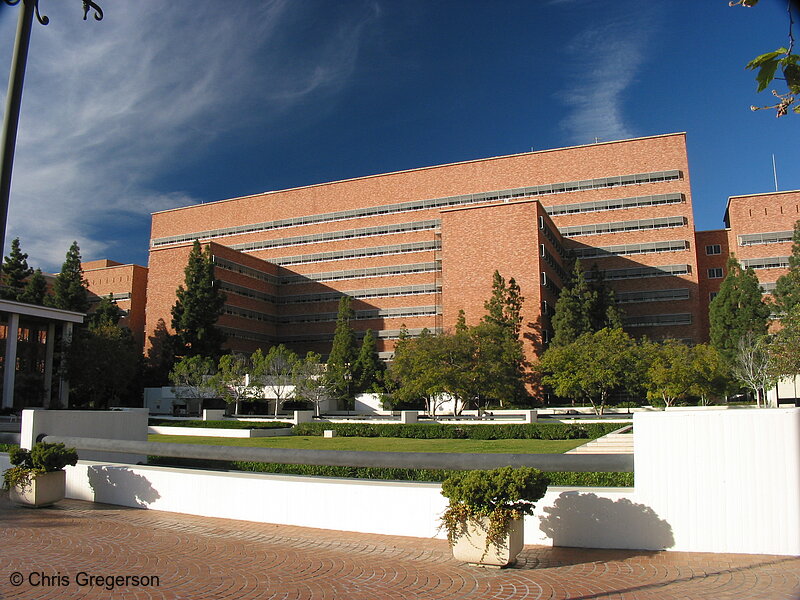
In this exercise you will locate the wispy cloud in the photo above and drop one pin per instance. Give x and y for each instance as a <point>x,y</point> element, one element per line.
<point>605,59</point>
<point>110,107</point>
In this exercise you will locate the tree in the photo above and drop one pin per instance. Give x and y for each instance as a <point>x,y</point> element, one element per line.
<point>103,366</point>
<point>417,370</point>
<point>70,289</point>
<point>787,288</point>
<point>232,379</point>
<point>738,309</point>
<point>15,273</point>
<point>308,377</point>
<point>753,365</point>
<point>191,377</point>
<point>584,306</point>
<point>198,306</point>
<point>592,367</point>
<point>341,361</point>
<point>712,377</point>
<point>160,358</point>
<point>368,368</point>
<point>504,306</point>
<point>769,63</point>
<point>107,312</point>
<point>272,372</point>
<point>35,291</point>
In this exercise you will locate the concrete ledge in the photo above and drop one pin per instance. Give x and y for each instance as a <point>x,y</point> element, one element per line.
<point>214,432</point>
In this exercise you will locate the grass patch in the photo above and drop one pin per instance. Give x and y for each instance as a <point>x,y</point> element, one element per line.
<point>219,424</point>
<point>381,444</point>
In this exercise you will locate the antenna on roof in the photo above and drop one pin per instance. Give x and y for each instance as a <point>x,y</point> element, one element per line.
<point>596,140</point>
<point>774,172</point>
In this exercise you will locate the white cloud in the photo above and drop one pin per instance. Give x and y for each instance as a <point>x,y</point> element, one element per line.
<point>604,60</point>
<point>110,106</point>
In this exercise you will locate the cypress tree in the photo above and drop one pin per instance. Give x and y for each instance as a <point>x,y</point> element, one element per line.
<point>35,291</point>
<point>787,288</point>
<point>341,361</point>
<point>738,309</point>
<point>70,289</point>
<point>15,273</point>
<point>198,306</point>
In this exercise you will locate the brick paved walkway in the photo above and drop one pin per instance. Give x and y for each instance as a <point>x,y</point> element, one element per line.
<point>217,559</point>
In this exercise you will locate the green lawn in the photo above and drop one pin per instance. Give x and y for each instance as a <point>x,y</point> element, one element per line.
<point>381,444</point>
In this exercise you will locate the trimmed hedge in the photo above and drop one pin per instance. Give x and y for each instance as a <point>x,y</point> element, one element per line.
<point>558,478</point>
<point>219,424</point>
<point>515,431</point>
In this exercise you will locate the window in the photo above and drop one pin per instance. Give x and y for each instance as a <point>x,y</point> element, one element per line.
<point>712,295</point>
<point>715,273</point>
<point>713,249</point>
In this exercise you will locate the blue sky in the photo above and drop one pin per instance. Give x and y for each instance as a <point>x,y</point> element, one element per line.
<point>166,104</point>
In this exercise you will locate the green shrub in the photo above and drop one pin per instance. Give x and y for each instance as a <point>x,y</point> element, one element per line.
<point>42,458</point>
<point>535,431</point>
<point>219,424</point>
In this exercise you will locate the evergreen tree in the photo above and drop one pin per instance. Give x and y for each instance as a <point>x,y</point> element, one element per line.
<point>504,306</point>
<point>737,310</point>
<point>15,273</point>
<point>584,306</point>
<point>106,313</point>
<point>341,361</point>
<point>70,289</point>
<point>368,369</point>
<point>787,288</point>
<point>35,291</point>
<point>198,306</point>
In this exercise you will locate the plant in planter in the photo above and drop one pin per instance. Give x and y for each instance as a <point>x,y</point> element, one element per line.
<point>37,477</point>
<point>484,518</point>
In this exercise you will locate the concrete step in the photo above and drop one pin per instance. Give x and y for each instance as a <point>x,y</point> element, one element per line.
<point>613,443</point>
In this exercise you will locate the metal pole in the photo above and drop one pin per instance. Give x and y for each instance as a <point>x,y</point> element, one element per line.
<point>13,102</point>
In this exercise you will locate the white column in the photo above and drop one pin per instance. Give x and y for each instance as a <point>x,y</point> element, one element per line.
<point>11,360</point>
<point>63,383</point>
<point>49,351</point>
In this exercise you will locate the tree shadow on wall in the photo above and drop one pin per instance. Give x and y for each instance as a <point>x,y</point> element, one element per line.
<point>589,521</point>
<point>119,485</point>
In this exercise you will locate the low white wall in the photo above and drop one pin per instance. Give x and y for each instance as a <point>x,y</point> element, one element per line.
<point>215,432</point>
<point>128,425</point>
<point>725,481</point>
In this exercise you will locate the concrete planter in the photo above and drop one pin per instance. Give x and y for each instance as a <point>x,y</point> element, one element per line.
<point>471,546</point>
<point>44,490</point>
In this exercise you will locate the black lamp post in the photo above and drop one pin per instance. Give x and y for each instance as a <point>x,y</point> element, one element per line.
<point>14,96</point>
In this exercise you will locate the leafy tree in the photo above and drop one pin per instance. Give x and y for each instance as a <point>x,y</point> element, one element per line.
<point>15,273</point>
<point>103,367</point>
<point>584,306</point>
<point>70,289</point>
<point>341,361</point>
<point>35,291</point>
<point>787,288</point>
<point>768,64</point>
<point>232,379</point>
<point>107,312</point>
<point>308,377</point>
<point>417,370</point>
<point>272,372</point>
<point>712,377</point>
<point>191,377</point>
<point>738,309</point>
<point>368,368</point>
<point>198,306</point>
<point>753,365</point>
<point>592,367</point>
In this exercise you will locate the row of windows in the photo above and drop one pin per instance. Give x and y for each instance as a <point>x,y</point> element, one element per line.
<point>658,320</point>
<point>235,267</point>
<point>365,315</point>
<point>241,290</point>
<point>626,249</point>
<point>116,297</point>
<point>643,272</point>
<point>357,253</point>
<point>347,234</point>
<point>385,334</point>
<point>505,195</point>
<point>387,292</point>
<point>652,296</point>
<point>427,267</point>
<point>548,233</point>
<point>772,262</point>
<point>619,203</point>
<point>772,237</point>
<point>620,226</point>
<point>550,260</point>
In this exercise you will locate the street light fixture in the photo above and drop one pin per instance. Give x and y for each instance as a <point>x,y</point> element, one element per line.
<point>14,95</point>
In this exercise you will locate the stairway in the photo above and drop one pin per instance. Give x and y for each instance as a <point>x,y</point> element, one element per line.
<point>616,442</point>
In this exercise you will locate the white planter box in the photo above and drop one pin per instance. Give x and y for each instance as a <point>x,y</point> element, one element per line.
<point>44,490</point>
<point>471,547</point>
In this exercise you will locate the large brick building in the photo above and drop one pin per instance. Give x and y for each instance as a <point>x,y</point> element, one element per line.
<point>412,248</point>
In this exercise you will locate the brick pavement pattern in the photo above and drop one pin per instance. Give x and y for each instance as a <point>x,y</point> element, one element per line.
<point>206,558</point>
